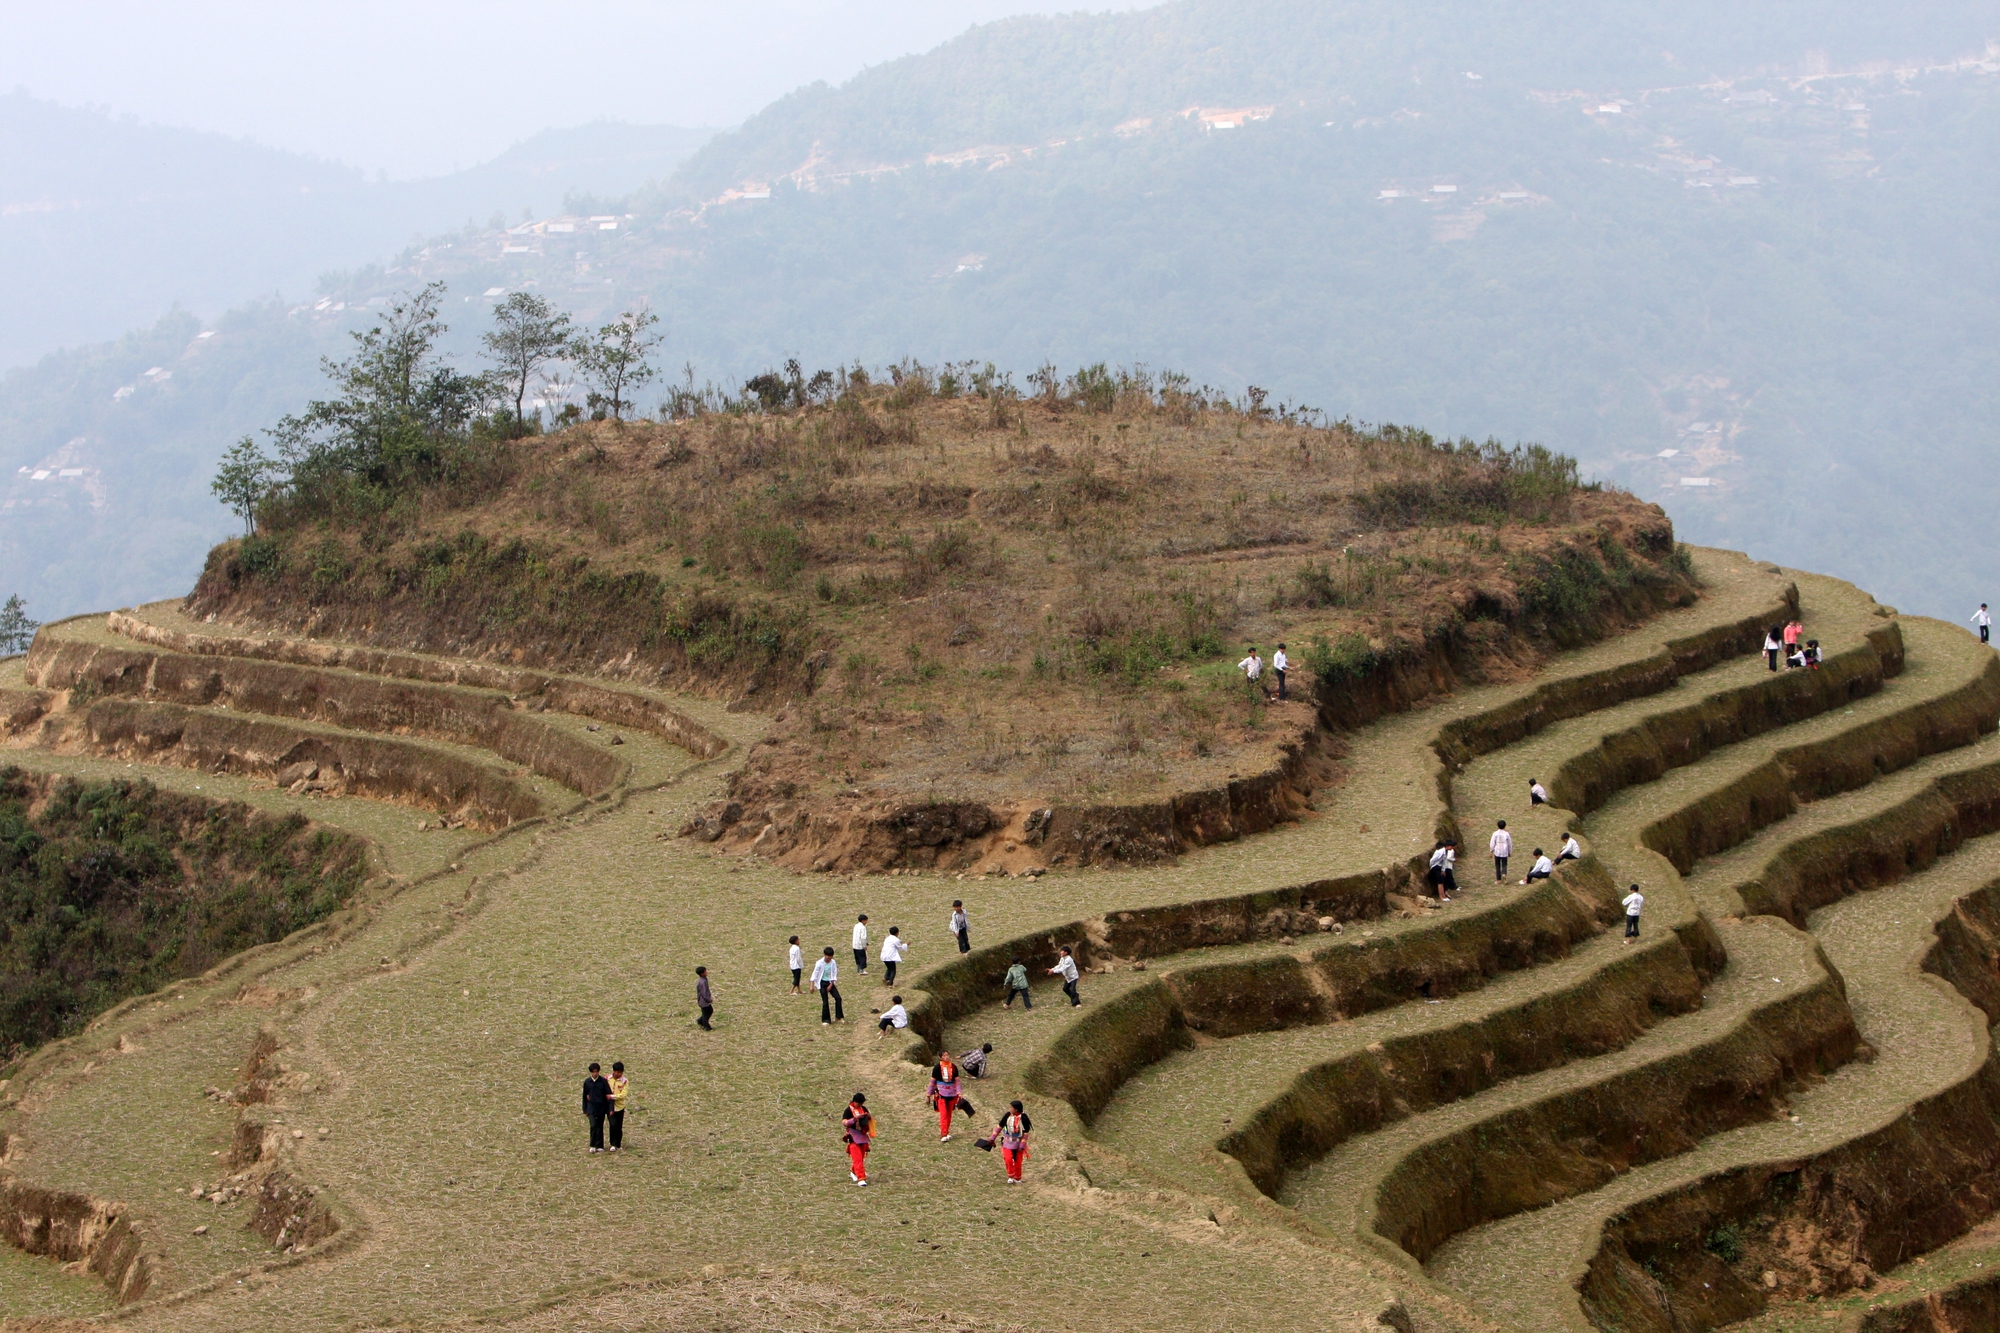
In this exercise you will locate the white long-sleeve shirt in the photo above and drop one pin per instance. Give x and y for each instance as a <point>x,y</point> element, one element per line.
<point>1279,661</point>
<point>959,921</point>
<point>1569,848</point>
<point>826,969</point>
<point>1982,617</point>
<point>861,934</point>
<point>1065,968</point>
<point>1538,792</point>
<point>898,1016</point>
<point>1633,902</point>
<point>1502,843</point>
<point>798,958</point>
<point>1251,666</point>
<point>1542,866</point>
<point>892,949</point>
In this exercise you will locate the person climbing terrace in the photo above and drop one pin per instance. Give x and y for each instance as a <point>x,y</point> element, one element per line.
<point>596,1104</point>
<point>1635,902</point>
<point>961,925</point>
<point>860,943</point>
<point>1066,969</point>
<point>943,1092</point>
<point>704,999</point>
<point>621,1088</point>
<point>1011,1135</point>
<point>1984,619</point>
<point>1570,850</point>
<point>1017,984</point>
<point>1444,857</point>
<point>1774,643</point>
<point>1541,869</point>
<point>893,950</point>
<point>1537,793</point>
<point>858,1133</point>
<point>896,1016</point>
<point>1502,843</point>
<point>826,980</point>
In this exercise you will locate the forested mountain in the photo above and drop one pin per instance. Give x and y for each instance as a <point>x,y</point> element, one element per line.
<point>1738,259</point>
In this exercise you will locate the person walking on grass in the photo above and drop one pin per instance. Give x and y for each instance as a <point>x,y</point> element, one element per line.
<point>1502,843</point>
<point>596,1104</point>
<point>1984,619</point>
<point>1279,664</point>
<point>1774,643</point>
<point>621,1088</point>
<point>1570,851</point>
<point>858,1133</point>
<point>704,999</point>
<point>796,958</point>
<point>1537,794</point>
<point>943,1092</point>
<point>1017,984</point>
<point>1542,868</point>
<point>1066,969</point>
<point>1635,901</point>
<point>896,1017</point>
<point>1011,1137</point>
<point>893,950</point>
<point>826,980</point>
<point>860,943</point>
<point>1252,667</point>
<point>961,925</point>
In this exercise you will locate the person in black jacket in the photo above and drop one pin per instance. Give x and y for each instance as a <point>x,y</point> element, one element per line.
<point>596,1105</point>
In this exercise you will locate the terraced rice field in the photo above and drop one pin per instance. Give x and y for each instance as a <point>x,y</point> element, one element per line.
<point>1294,1097</point>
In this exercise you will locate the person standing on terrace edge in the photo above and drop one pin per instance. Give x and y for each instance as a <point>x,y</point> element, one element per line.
<point>1984,619</point>
<point>596,1104</point>
<point>943,1092</point>
<point>1279,664</point>
<point>1502,844</point>
<point>1066,969</point>
<point>704,999</point>
<point>621,1088</point>
<point>860,943</point>
<point>858,1133</point>
<point>1773,644</point>
<point>892,954</point>
<point>1017,984</point>
<point>1634,901</point>
<point>825,980</point>
<point>961,925</point>
<point>1537,793</point>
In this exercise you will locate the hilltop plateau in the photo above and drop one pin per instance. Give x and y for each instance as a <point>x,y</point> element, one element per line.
<point>994,631</point>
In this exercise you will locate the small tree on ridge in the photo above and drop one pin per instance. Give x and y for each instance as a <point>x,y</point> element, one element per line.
<point>528,333</point>
<point>241,480</point>
<point>16,630</point>
<point>615,360</point>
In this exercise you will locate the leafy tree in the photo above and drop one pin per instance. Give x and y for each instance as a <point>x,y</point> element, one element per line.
<point>244,476</point>
<point>16,630</point>
<point>615,360</point>
<point>528,333</point>
<point>401,415</point>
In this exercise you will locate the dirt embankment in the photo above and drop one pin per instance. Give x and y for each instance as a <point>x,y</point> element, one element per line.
<point>96,1235</point>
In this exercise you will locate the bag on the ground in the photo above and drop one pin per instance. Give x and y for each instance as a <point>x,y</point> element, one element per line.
<point>984,1145</point>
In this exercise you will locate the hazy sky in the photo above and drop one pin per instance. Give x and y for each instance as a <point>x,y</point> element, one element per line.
<point>417,87</point>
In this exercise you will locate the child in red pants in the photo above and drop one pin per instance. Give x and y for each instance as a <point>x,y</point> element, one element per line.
<point>1012,1138</point>
<point>944,1093</point>
<point>858,1127</point>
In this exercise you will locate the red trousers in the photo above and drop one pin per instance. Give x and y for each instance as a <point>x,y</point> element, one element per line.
<point>857,1156</point>
<point>945,1106</point>
<point>1014,1157</point>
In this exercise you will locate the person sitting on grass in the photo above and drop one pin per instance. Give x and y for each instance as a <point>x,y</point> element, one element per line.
<point>974,1062</point>
<point>1537,793</point>
<point>1542,868</point>
<point>896,1016</point>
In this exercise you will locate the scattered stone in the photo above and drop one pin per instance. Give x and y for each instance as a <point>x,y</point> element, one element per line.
<point>201,1230</point>
<point>303,771</point>
<point>298,1133</point>
<point>1327,923</point>
<point>1770,1280</point>
<point>617,740</point>
<point>1139,966</point>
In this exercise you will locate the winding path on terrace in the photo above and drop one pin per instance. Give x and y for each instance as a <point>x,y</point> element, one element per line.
<point>1291,1099</point>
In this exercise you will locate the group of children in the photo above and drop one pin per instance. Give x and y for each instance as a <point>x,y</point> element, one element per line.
<point>825,979</point>
<point>1785,639</point>
<point>1442,878</point>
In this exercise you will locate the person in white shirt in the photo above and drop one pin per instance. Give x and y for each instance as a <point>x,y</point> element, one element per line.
<point>961,925</point>
<point>1252,667</point>
<point>797,959</point>
<point>1537,793</point>
<point>860,943</point>
<point>1570,850</point>
<point>1773,644</point>
<point>1634,901</point>
<point>1279,662</point>
<point>893,949</point>
<point>1443,858</point>
<point>1984,619</point>
<point>1066,969</point>
<point>1542,868</point>
<point>825,980</point>
<point>895,1016</point>
<point>1502,844</point>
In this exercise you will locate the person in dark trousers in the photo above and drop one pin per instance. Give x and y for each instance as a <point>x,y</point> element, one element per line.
<point>1571,851</point>
<point>892,954</point>
<point>704,996</point>
<point>1502,844</point>
<point>1444,858</point>
<point>1279,665</point>
<point>1537,793</point>
<point>825,980</point>
<point>961,926</point>
<point>1017,984</point>
<point>596,1105</point>
<point>860,942</point>
<point>1634,901</point>
<point>1984,619</point>
<point>1541,869</point>
<point>621,1088</point>
<point>796,957</point>
<point>1066,969</point>
<point>1774,644</point>
<point>974,1062</point>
